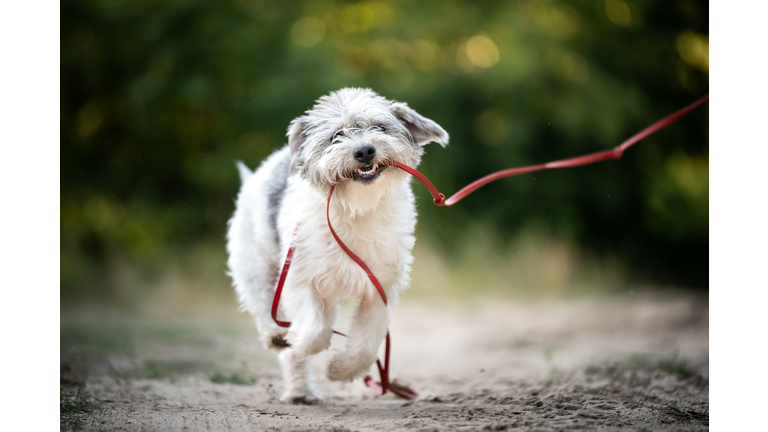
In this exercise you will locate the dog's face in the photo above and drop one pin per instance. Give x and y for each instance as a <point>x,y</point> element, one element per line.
<point>349,135</point>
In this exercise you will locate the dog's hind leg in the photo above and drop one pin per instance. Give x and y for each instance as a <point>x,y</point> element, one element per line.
<point>253,242</point>
<point>253,264</point>
<point>297,375</point>
<point>368,328</point>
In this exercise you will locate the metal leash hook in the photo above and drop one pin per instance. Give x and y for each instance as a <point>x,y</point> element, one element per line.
<point>384,385</point>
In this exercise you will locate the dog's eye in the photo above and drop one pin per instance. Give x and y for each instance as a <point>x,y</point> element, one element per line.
<point>380,128</point>
<point>339,133</point>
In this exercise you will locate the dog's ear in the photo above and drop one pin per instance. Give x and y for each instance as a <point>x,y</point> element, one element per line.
<point>296,134</point>
<point>423,130</point>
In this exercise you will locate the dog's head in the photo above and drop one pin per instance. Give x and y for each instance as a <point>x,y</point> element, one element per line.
<point>350,135</point>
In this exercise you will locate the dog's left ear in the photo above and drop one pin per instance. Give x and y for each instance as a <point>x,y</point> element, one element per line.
<point>423,130</point>
<point>296,134</point>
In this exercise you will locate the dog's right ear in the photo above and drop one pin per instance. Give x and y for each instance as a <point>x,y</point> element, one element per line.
<point>296,134</point>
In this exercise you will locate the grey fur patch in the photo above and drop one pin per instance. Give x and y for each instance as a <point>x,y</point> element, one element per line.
<point>276,189</point>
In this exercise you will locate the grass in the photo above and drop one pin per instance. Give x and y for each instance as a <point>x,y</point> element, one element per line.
<point>685,415</point>
<point>239,378</point>
<point>172,370</point>
<point>676,367</point>
<point>72,407</point>
<point>158,370</point>
<point>532,265</point>
<point>128,345</point>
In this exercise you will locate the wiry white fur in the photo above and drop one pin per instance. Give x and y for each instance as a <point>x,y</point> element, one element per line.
<point>375,219</point>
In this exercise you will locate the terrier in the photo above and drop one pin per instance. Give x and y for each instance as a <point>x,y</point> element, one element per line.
<point>345,139</point>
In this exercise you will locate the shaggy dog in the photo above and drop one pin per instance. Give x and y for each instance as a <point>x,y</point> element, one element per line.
<point>343,140</point>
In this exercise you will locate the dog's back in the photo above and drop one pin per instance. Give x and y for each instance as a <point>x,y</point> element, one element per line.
<point>253,240</point>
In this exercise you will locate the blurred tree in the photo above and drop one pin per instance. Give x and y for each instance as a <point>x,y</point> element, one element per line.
<point>159,98</point>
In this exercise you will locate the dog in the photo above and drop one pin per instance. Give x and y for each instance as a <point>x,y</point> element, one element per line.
<point>345,140</point>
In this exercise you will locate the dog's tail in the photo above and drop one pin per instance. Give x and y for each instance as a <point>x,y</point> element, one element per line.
<point>244,171</point>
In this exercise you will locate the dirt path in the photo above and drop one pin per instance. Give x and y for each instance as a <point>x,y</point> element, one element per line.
<point>630,363</point>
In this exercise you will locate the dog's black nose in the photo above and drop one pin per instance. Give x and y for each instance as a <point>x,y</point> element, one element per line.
<point>365,154</point>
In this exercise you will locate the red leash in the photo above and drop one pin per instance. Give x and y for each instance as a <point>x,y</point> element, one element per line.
<point>439,199</point>
<point>614,153</point>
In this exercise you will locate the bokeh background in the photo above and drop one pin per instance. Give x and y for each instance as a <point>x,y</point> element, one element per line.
<point>159,99</point>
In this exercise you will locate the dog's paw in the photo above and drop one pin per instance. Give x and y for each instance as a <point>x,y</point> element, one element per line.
<point>342,367</point>
<point>275,339</point>
<point>301,399</point>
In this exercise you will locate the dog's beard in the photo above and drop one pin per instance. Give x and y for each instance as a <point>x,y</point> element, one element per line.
<point>358,197</point>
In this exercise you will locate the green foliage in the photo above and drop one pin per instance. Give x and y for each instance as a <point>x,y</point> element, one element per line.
<point>159,99</point>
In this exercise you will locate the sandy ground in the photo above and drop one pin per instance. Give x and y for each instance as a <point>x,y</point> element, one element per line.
<point>630,362</point>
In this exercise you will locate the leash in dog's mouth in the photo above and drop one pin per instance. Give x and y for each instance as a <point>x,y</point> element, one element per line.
<point>368,172</point>
<point>384,384</point>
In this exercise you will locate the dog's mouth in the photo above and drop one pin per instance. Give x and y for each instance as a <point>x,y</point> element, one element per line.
<point>367,173</point>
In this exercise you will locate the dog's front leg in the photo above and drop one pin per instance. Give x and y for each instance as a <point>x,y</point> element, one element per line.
<point>369,326</point>
<point>297,374</point>
<point>312,326</point>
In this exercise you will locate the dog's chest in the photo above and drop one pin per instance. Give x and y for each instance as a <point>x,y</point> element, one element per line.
<point>383,244</point>
<point>382,238</point>
<point>334,270</point>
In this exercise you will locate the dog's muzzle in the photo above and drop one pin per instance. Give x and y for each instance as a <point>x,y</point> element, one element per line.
<point>365,154</point>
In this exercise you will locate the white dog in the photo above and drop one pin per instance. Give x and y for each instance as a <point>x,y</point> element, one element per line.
<point>342,140</point>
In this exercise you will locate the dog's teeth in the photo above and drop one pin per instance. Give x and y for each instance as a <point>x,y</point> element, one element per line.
<point>371,171</point>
